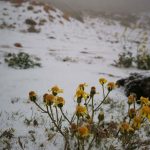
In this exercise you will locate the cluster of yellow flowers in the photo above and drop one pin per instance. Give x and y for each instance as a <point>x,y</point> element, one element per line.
<point>51,98</point>
<point>81,128</point>
<point>82,110</point>
<point>136,116</point>
<point>82,124</point>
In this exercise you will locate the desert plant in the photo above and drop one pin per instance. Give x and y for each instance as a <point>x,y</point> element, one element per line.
<point>32,29</point>
<point>125,60</point>
<point>87,127</point>
<point>21,60</point>
<point>30,22</point>
<point>143,57</point>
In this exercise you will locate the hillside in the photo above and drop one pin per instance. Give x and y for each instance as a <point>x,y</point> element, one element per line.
<point>70,52</point>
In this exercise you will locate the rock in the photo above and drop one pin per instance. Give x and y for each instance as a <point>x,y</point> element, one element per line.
<point>18,45</point>
<point>136,83</point>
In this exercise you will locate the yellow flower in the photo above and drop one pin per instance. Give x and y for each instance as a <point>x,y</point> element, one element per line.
<point>55,90</point>
<point>126,128</point>
<point>59,101</point>
<point>131,99</point>
<point>83,131</point>
<point>49,99</point>
<point>102,81</point>
<point>144,101</point>
<point>44,97</point>
<point>145,112</point>
<point>32,96</point>
<point>110,86</point>
<point>132,113</point>
<point>82,86</point>
<point>81,94</point>
<point>137,122</point>
<point>81,110</point>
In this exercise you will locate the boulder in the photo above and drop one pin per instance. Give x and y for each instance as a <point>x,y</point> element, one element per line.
<point>136,83</point>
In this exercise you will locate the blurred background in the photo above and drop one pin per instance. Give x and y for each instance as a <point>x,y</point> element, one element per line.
<point>115,6</point>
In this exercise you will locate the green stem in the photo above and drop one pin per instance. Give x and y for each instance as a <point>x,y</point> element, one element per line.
<point>52,111</point>
<point>54,122</point>
<point>72,119</point>
<point>97,108</point>
<point>90,145</point>
<point>88,101</point>
<point>77,136</point>
<point>65,116</point>
<point>117,133</point>
<point>82,144</point>
<point>92,108</point>
<point>57,114</point>
<point>103,90</point>
<point>44,111</point>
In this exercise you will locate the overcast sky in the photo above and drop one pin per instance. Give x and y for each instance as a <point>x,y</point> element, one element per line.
<point>105,5</point>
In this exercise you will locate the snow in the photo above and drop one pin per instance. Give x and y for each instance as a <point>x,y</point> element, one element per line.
<point>87,48</point>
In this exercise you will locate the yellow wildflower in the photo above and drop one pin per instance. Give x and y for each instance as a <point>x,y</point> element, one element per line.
<point>131,99</point>
<point>49,99</point>
<point>126,128</point>
<point>110,86</point>
<point>44,97</point>
<point>81,94</point>
<point>145,112</point>
<point>83,131</point>
<point>59,101</point>
<point>81,110</point>
<point>137,122</point>
<point>32,96</point>
<point>144,101</point>
<point>102,81</point>
<point>82,86</point>
<point>55,90</point>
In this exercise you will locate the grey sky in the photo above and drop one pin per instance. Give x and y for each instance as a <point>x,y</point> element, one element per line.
<point>105,5</point>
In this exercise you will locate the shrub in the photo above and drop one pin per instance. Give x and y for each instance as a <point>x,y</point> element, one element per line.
<point>125,60</point>
<point>143,61</point>
<point>32,29</point>
<point>87,127</point>
<point>21,61</point>
<point>30,22</point>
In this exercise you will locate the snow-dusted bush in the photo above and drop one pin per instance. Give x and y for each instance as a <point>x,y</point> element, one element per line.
<point>125,59</point>
<point>21,61</point>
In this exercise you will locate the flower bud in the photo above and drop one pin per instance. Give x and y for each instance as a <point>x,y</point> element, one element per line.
<point>131,99</point>
<point>59,102</point>
<point>132,113</point>
<point>101,116</point>
<point>93,91</point>
<point>110,86</point>
<point>32,96</point>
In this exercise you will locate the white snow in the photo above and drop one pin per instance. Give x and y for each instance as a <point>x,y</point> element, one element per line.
<point>86,46</point>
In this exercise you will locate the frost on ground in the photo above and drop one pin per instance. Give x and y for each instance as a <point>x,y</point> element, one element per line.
<point>70,52</point>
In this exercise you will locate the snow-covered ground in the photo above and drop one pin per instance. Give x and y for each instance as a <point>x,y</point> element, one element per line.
<point>70,52</point>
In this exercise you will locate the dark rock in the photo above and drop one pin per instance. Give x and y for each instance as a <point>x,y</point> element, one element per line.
<point>136,83</point>
<point>18,45</point>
